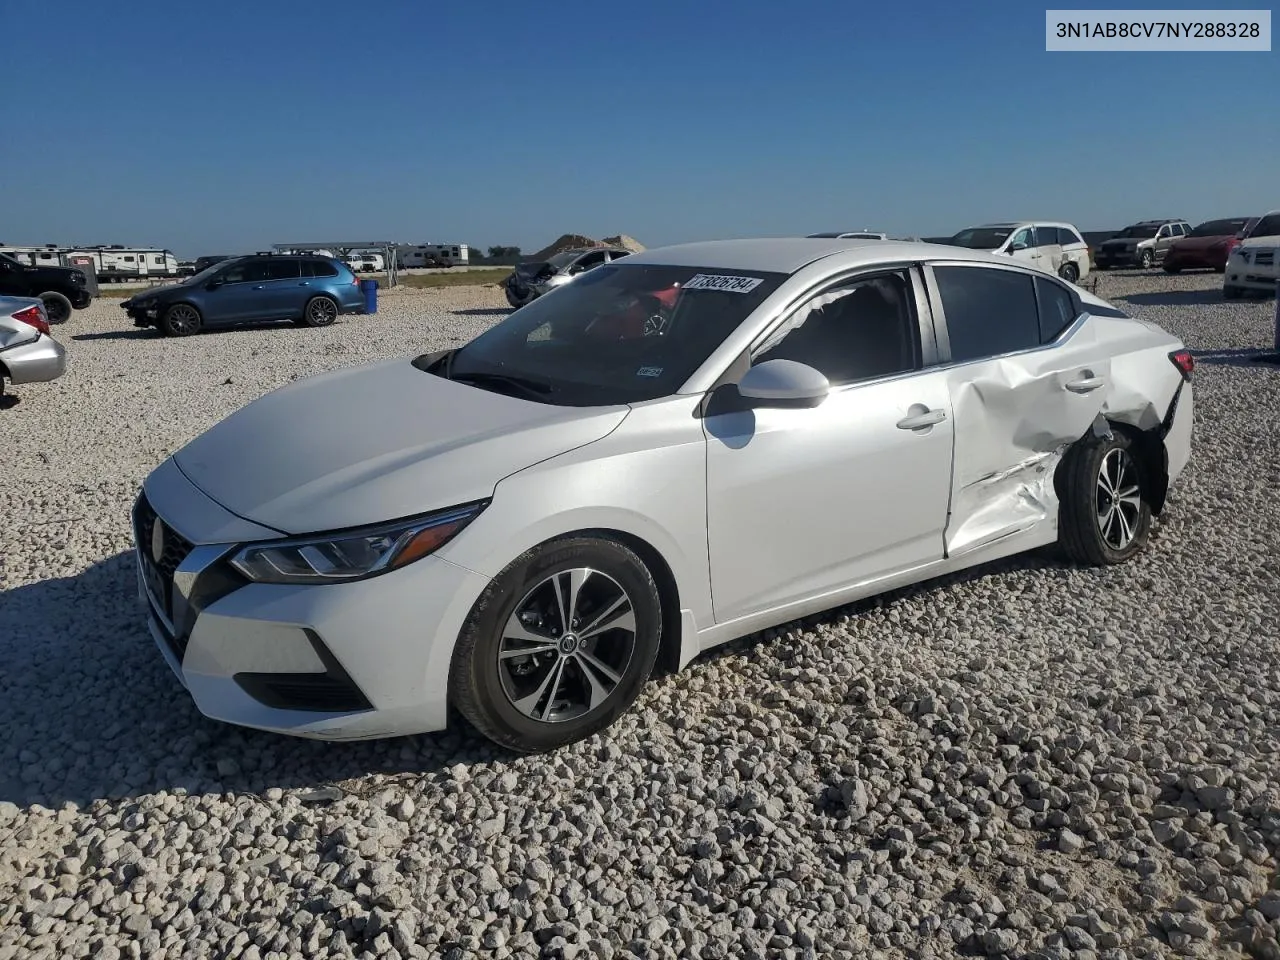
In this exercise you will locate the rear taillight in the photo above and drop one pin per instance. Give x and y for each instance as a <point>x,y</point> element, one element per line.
<point>33,317</point>
<point>1184,361</point>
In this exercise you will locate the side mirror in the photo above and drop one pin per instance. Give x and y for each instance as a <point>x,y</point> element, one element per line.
<point>783,383</point>
<point>1016,246</point>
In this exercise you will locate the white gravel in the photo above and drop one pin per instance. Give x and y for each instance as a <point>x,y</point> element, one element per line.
<point>1027,760</point>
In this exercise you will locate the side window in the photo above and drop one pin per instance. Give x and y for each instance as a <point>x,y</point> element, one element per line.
<point>237,274</point>
<point>989,311</point>
<point>1163,232</point>
<point>321,268</point>
<point>587,262</point>
<point>1046,236</point>
<point>128,259</point>
<point>619,254</point>
<point>1057,309</point>
<point>282,269</point>
<point>857,331</point>
<point>1066,235</point>
<point>1024,237</point>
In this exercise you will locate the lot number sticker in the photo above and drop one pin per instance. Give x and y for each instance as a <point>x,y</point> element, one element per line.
<point>712,281</point>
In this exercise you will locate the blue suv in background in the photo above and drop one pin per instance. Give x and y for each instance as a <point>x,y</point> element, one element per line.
<point>311,291</point>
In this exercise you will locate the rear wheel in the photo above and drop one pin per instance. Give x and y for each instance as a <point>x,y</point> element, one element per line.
<point>1105,509</point>
<point>320,312</point>
<point>1069,272</point>
<point>56,306</point>
<point>558,646</point>
<point>181,320</point>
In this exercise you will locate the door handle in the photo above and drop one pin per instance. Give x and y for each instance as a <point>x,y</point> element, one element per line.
<point>921,420</point>
<point>305,283</point>
<point>259,286</point>
<point>1085,384</point>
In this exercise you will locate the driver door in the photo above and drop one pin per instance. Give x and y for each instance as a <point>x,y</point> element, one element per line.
<point>1023,247</point>
<point>803,502</point>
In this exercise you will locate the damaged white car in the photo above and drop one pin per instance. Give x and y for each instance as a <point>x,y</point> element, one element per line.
<point>677,449</point>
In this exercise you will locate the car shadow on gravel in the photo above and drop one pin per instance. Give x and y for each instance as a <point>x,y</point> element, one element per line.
<point>1236,357</point>
<point>483,312</point>
<point>8,401</point>
<point>137,333</point>
<point>91,711</point>
<point>1175,298</point>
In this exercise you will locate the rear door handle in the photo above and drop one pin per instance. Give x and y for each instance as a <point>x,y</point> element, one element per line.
<point>1085,384</point>
<point>921,420</point>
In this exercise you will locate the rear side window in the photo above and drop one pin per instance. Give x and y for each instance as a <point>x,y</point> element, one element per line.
<point>1066,236</point>
<point>319,268</point>
<point>989,311</point>
<point>1057,309</point>
<point>282,270</point>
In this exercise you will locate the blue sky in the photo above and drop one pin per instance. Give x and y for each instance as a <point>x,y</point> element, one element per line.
<point>220,127</point>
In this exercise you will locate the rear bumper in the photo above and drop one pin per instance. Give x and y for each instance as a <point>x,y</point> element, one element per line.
<point>38,361</point>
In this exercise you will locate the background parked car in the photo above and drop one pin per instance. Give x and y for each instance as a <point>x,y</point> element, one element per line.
<point>62,289</point>
<point>311,291</point>
<point>1254,266</point>
<point>528,281</point>
<point>1049,245</point>
<point>1143,244</point>
<point>204,263</point>
<point>28,354</point>
<point>1209,245</point>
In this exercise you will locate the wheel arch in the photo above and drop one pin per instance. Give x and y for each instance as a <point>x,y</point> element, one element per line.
<point>1147,445</point>
<point>672,640</point>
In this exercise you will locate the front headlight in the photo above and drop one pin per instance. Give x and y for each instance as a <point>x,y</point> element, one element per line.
<point>355,554</point>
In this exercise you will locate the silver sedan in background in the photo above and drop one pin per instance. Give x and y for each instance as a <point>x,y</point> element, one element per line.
<point>678,448</point>
<point>28,354</point>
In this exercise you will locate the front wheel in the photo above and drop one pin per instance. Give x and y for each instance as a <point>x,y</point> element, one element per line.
<point>56,306</point>
<point>181,320</point>
<point>320,312</point>
<point>1105,508</point>
<point>1147,259</point>
<point>558,646</point>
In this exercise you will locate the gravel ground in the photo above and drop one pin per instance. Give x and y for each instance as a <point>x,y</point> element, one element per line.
<point>1024,760</point>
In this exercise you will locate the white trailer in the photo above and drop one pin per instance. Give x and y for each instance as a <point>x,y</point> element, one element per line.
<point>433,254</point>
<point>50,255</point>
<point>122,263</point>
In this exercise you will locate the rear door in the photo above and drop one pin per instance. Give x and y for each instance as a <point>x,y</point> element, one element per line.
<point>1025,380</point>
<point>1050,249</point>
<point>281,291</point>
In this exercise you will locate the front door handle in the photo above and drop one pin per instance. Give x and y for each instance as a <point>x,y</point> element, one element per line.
<point>259,287</point>
<point>1085,384</point>
<point>919,421</point>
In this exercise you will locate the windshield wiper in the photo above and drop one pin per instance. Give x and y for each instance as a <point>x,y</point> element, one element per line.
<point>532,388</point>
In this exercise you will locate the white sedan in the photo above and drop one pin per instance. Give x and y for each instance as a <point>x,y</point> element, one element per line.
<point>689,445</point>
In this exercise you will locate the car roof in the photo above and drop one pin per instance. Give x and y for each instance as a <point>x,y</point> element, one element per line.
<point>789,254</point>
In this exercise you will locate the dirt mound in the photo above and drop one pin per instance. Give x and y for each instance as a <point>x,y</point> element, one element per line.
<point>622,240</point>
<point>575,241</point>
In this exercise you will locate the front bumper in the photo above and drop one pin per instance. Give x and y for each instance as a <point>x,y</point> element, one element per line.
<point>349,661</point>
<point>37,361</point>
<point>81,299</point>
<point>144,314</point>
<point>1257,274</point>
<point>1117,258</point>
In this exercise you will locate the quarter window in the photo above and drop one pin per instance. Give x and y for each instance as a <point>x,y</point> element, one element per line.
<point>859,331</point>
<point>281,270</point>
<point>1057,309</point>
<point>989,311</point>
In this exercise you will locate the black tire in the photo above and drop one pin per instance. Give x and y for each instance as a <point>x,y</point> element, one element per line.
<point>320,312</point>
<point>1085,536</point>
<point>181,320</point>
<point>57,306</point>
<point>484,690</point>
<point>1069,272</point>
<point>1146,259</point>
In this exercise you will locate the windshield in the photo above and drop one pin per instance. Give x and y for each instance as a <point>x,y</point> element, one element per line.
<point>618,334</point>
<point>981,238</point>
<point>1220,228</point>
<point>1137,233</point>
<point>564,258</point>
<point>208,272</point>
<point>1268,226</point>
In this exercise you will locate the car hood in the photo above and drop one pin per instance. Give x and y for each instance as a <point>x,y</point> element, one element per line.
<point>374,443</point>
<point>1252,242</point>
<point>1120,243</point>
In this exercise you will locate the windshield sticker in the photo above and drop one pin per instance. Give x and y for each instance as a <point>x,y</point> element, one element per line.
<point>649,372</point>
<point>712,281</point>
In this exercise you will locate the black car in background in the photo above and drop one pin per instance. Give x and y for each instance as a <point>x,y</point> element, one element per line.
<point>61,288</point>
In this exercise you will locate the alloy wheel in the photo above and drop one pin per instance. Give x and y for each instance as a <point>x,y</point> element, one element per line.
<point>183,319</point>
<point>322,311</point>
<point>1118,498</point>
<point>567,646</point>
